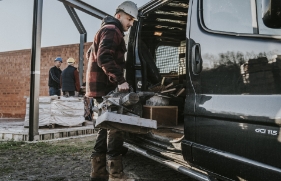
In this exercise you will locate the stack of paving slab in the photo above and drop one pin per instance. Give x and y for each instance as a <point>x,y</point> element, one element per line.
<point>54,110</point>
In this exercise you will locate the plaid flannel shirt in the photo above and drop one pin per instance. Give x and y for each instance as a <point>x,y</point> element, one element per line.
<point>106,59</point>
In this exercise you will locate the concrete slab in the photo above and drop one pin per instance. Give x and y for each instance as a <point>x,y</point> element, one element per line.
<point>13,129</point>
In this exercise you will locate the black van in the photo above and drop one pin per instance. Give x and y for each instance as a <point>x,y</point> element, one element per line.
<point>226,54</point>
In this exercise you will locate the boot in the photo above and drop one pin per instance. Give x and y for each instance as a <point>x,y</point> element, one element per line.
<point>98,170</point>
<point>115,169</point>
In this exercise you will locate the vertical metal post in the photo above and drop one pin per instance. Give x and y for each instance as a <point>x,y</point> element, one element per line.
<point>83,39</point>
<point>35,71</point>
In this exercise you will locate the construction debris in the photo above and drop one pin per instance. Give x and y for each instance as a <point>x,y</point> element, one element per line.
<point>167,87</point>
<point>169,90</point>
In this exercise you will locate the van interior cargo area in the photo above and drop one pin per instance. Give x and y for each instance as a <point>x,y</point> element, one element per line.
<point>162,47</point>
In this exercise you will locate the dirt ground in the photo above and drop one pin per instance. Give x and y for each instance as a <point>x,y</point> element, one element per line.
<point>68,160</point>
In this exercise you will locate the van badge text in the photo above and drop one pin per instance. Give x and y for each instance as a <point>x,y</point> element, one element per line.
<point>265,131</point>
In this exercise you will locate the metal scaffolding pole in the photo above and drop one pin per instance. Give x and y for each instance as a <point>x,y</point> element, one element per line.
<point>35,71</point>
<point>86,8</point>
<point>83,39</point>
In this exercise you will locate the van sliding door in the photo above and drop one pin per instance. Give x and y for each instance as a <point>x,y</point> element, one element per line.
<point>235,68</point>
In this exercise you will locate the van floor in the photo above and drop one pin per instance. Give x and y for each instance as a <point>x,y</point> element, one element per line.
<point>166,135</point>
<point>170,133</point>
<point>179,127</point>
<point>164,141</point>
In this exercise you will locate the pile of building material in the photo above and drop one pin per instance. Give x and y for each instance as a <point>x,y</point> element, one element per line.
<point>158,107</point>
<point>61,111</point>
<point>167,87</point>
<point>44,111</point>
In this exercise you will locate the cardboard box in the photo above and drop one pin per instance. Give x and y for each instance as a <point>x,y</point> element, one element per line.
<point>164,115</point>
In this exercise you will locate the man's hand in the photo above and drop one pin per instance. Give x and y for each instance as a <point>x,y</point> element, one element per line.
<point>123,87</point>
<point>76,94</point>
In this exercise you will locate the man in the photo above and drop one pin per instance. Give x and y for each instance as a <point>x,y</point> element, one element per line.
<point>104,74</point>
<point>54,78</point>
<point>70,79</point>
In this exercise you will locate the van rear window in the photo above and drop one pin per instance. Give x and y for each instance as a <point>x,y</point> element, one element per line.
<point>236,16</point>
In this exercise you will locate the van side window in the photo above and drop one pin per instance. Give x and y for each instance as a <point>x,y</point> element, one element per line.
<point>228,15</point>
<point>242,16</point>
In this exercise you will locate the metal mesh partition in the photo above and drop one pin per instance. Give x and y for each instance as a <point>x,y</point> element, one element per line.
<point>182,62</point>
<point>171,59</point>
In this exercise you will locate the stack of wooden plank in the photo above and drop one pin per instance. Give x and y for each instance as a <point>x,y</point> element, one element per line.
<point>167,87</point>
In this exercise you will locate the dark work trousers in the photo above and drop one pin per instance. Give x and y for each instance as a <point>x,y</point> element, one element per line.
<point>54,91</point>
<point>109,141</point>
<point>88,106</point>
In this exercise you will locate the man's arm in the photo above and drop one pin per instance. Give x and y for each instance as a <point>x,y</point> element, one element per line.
<point>53,75</point>
<point>106,51</point>
<point>77,82</point>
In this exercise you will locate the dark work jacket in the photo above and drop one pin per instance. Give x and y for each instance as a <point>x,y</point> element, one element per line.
<point>54,77</point>
<point>106,59</point>
<point>68,79</point>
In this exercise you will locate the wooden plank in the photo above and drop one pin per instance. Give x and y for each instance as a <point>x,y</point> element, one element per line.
<point>163,80</point>
<point>180,92</point>
<point>146,112</point>
<point>169,90</point>
<point>169,85</point>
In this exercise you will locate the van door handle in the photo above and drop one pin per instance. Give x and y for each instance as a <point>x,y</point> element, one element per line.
<point>196,59</point>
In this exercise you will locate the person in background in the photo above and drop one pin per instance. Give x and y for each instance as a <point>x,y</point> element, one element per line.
<point>104,74</point>
<point>70,79</point>
<point>54,78</point>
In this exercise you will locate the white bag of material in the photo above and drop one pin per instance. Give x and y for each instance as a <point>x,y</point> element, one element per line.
<point>43,108</point>
<point>71,99</point>
<point>44,119</point>
<point>67,121</point>
<point>64,111</point>
<point>73,113</point>
<point>44,99</point>
<point>67,105</point>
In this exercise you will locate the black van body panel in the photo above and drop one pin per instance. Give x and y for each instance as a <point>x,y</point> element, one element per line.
<point>232,115</point>
<point>233,166</point>
<point>235,127</point>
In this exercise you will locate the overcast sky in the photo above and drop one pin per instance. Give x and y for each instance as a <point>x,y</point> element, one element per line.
<point>57,27</point>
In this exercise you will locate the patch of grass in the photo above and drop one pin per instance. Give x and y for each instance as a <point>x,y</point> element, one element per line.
<point>46,148</point>
<point>10,145</point>
<point>60,149</point>
<point>6,170</point>
<point>58,178</point>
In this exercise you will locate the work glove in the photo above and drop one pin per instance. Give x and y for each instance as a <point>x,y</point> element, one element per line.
<point>123,87</point>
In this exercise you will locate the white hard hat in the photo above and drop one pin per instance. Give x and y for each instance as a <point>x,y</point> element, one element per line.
<point>70,61</point>
<point>130,8</point>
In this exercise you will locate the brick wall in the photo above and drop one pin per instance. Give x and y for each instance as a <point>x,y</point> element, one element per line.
<point>15,75</point>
